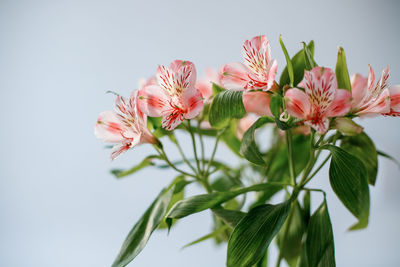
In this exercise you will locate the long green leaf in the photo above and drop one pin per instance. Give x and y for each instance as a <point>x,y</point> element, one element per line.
<point>342,73</point>
<point>348,180</point>
<point>249,147</point>
<point>199,203</point>
<point>225,106</point>
<point>289,65</point>
<point>141,232</point>
<point>147,161</point>
<point>290,245</point>
<point>362,147</point>
<point>320,248</point>
<point>230,217</point>
<point>252,236</point>
<point>298,63</point>
<point>309,58</point>
<point>383,154</point>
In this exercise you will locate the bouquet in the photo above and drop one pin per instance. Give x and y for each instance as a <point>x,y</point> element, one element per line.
<point>311,112</point>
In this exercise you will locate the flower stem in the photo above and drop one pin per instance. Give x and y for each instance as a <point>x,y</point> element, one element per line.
<point>164,156</point>
<point>194,148</point>
<point>289,141</point>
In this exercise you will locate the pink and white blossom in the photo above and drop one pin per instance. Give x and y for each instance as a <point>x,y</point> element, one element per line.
<point>369,98</point>
<point>174,96</point>
<point>257,102</point>
<point>394,101</point>
<point>320,101</point>
<point>126,127</point>
<point>258,70</point>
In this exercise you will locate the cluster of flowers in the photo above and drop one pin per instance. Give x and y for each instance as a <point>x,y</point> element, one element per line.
<point>175,95</point>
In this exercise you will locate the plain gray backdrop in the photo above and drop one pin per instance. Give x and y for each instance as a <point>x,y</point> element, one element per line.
<point>59,204</point>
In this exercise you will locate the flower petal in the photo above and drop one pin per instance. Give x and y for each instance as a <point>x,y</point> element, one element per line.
<point>118,149</point>
<point>358,89</point>
<point>320,85</point>
<point>109,127</point>
<point>235,76</point>
<point>297,103</point>
<point>378,106</point>
<point>395,98</point>
<point>257,102</point>
<point>173,119</point>
<point>341,104</point>
<point>321,125</point>
<point>153,101</point>
<point>193,102</point>
<point>257,54</point>
<point>185,73</point>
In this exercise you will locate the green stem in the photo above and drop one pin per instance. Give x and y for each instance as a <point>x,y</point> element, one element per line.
<point>194,148</point>
<point>289,141</point>
<point>316,171</point>
<point>207,171</point>
<point>175,141</point>
<point>201,146</point>
<point>164,156</point>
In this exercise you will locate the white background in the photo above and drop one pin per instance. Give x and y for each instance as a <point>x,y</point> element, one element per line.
<point>59,204</point>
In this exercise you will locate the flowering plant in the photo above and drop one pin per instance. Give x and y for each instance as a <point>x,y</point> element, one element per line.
<point>310,110</point>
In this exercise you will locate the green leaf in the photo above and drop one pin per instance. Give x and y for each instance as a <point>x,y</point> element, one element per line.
<point>252,236</point>
<point>308,58</point>
<point>216,89</point>
<point>141,232</point>
<point>289,65</point>
<point>291,247</point>
<point>362,147</point>
<point>147,161</point>
<point>348,180</point>
<point>320,248</point>
<point>249,147</point>
<point>225,106</point>
<point>177,196</point>
<point>199,203</point>
<point>342,73</point>
<point>275,105</point>
<point>383,154</point>
<point>299,64</point>
<point>230,217</point>
<point>206,237</point>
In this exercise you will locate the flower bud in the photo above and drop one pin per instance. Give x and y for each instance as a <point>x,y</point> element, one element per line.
<point>347,126</point>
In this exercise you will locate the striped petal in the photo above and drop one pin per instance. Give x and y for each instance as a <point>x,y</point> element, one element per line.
<point>341,104</point>
<point>297,103</point>
<point>153,101</point>
<point>192,102</point>
<point>235,76</point>
<point>109,127</point>
<point>395,98</point>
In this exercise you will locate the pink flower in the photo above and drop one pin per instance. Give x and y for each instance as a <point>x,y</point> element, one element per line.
<point>257,102</point>
<point>258,70</point>
<point>204,85</point>
<point>370,98</point>
<point>320,101</point>
<point>394,101</point>
<point>126,127</point>
<point>174,96</point>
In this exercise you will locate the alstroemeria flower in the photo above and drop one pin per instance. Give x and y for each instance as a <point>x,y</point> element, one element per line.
<point>394,101</point>
<point>126,127</point>
<point>204,85</point>
<point>258,70</point>
<point>174,97</point>
<point>370,98</point>
<point>320,101</point>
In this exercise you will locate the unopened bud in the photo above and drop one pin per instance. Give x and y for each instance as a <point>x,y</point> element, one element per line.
<point>347,126</point>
